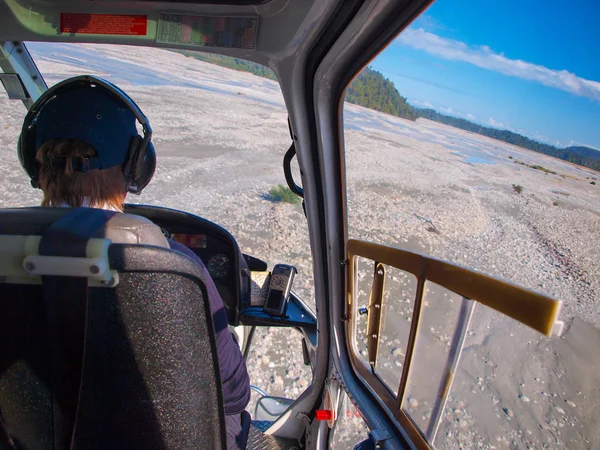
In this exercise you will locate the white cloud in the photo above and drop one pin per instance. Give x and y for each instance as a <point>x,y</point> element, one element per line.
<point>547,140</point>
<point>422,104</point>
<point>542,138</point>
<point>484,57</point>
<point>442,109</point>
<point>448,111</point>
<point>496,123</point>
<point>451,112</point>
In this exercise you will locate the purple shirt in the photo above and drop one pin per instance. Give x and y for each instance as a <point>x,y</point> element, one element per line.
<point>234,375</point>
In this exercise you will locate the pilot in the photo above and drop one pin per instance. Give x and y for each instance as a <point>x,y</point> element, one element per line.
<point>89,153</point>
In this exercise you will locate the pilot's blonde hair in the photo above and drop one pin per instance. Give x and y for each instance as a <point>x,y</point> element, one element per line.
<point>65,186</point>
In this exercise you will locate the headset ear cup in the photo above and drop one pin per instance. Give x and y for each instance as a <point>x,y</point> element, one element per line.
<point>27,153</point>
<point>130,162</point>
<point>146,165</point>
<point>20,151</point>
<point>140,165</point>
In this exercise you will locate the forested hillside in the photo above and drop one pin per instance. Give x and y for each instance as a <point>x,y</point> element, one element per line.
<point>372,90</point>
<point>231,63</point>
<point>579,155</point>
<point>585,151</point>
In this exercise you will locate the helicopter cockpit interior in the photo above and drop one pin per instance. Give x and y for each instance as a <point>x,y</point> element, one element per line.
<point>254,176</point>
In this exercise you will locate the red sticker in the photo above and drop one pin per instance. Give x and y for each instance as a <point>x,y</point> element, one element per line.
<point>324,414</point>
<point>125,25</point>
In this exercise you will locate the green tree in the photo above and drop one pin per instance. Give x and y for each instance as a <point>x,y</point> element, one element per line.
<point>372,90</point>
<point>231,63</point>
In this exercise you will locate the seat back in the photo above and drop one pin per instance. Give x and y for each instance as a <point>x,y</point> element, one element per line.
<point>149,376</point>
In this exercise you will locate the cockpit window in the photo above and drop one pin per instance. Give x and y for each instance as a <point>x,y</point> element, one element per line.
<point>220,132</point>
<point>16,189</point>
<point>479,146</point>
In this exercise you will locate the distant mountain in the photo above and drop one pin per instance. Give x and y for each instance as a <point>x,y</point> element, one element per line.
<point>585,152</point>
<point>582,156</point>
<point>372,90</point>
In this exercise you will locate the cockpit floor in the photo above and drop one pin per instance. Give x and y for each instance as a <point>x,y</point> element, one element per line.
<point>257,440</point>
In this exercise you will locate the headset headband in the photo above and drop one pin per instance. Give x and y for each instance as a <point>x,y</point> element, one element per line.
<point>139,165</point>
<point>77,82</point>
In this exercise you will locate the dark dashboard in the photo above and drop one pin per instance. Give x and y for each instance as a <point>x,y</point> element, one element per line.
<point>214,252</point>
<point>214,245</point>
<point>229,268</point>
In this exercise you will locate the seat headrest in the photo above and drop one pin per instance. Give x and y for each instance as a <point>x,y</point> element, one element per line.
<point>121,228</point>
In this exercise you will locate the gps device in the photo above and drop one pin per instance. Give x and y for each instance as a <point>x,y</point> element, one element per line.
<point>280,286</point>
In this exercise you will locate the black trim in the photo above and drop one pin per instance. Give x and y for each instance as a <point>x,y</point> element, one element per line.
<point>287,171</point>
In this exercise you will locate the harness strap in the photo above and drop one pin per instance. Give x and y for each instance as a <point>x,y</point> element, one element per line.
<point>66,305</point>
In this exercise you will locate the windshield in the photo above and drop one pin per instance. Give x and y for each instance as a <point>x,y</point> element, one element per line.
<point>473,137</point>
<point>220,132</point>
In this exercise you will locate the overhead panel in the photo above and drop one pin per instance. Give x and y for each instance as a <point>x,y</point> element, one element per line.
<point>207,31</point>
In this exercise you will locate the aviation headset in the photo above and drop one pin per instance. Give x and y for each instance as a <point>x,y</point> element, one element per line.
<point>139,162</point>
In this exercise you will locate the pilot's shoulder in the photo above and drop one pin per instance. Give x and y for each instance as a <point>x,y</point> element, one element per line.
<point>134,229</point>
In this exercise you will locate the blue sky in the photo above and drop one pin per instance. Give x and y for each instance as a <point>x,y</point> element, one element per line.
<point>530,66</point>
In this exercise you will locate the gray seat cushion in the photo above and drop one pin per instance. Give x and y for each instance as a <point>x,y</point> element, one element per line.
<point>121,229</point>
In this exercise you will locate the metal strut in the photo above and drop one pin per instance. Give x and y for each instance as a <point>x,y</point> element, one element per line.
<point>374,313</point>
<point>21,77</point>
<point>458,340</point>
